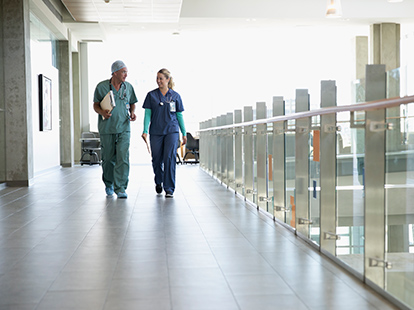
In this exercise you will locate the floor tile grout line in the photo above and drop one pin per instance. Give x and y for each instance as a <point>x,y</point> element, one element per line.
<point>71,256</point>
<point>255,213</point>
<point>122,246</point>
<point>259,212</point>
<point>251,236</point>
<point>167,258</point>
<point>209,245</point>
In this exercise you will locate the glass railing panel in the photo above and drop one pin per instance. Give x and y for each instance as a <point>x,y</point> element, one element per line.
<point>358,91</point>
<point>393,83</point>
<point>290,175</point>
<point>399,197</point>
<point>314,181</point>
<point>350,190</point>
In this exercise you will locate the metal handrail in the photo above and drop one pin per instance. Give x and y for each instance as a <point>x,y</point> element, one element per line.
<point>364,106</point>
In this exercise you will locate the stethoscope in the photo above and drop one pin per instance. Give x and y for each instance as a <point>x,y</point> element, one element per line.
<point>120,90</point>
<point>168,99</point>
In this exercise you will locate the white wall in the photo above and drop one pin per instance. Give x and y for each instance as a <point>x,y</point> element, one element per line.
<point>46,147</point>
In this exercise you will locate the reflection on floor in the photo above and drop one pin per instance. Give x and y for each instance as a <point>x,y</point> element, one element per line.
<point>64,245</point>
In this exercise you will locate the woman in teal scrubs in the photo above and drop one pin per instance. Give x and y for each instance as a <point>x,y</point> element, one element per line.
<point>163,120</point>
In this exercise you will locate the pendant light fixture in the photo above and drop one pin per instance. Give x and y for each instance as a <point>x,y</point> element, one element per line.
<point>334,9</point>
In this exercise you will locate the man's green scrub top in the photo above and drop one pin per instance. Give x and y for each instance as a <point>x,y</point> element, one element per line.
<point>119,121</point>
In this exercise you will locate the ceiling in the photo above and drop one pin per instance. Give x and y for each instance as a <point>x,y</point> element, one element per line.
<point>96,20</point>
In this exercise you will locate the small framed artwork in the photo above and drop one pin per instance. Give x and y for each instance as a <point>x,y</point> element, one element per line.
<point>45,103</point>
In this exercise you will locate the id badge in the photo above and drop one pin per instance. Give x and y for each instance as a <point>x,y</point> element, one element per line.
<point>127,106</point>
<point>172,106</point>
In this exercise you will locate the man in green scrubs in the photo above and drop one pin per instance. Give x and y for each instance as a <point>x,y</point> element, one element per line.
<point>114,129</point>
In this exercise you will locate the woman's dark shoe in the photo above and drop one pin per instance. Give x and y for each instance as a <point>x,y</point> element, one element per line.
<point>158,188</point>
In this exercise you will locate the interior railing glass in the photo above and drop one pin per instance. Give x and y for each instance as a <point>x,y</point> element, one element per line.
<point>340,177</point>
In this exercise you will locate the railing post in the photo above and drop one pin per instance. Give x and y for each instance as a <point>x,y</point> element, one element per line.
<point>229,152</point>
<point>209,147</point>
<point>375,177</point>
<point>223,150</point>
<point>248,155</point>
<point>238,159</point>
<point>215,148</point>
<point>201,126</point>
<point>261,151</point>
<point>328,170</point>
<point>279,184</point>
<point>302,219</point>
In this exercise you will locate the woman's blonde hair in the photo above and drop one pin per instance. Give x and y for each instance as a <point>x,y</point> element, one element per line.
<point>167,74</point>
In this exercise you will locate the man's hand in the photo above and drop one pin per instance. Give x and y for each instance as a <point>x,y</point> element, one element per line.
<point>184,140</point>
<point>133,117</point>
<point>106,114</point>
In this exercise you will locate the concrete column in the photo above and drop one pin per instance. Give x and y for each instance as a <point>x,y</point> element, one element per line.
<point>77,130</point>
<point>385,50</point>
<point>66,104</point>
<point>15,90</point>
<point>385,45</point>
<point>2,105</point>
<point>361,60</point>
<point>361,56</point>
<point>85,98</point>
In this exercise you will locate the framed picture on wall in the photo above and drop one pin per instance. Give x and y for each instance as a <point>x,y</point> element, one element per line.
<point>45,103</point>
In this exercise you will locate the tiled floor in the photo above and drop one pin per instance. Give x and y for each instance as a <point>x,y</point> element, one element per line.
<point>64,245</point>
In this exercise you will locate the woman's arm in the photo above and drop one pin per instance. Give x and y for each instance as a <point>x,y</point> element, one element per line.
<point>147,120</point>
<point>180,119</point>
